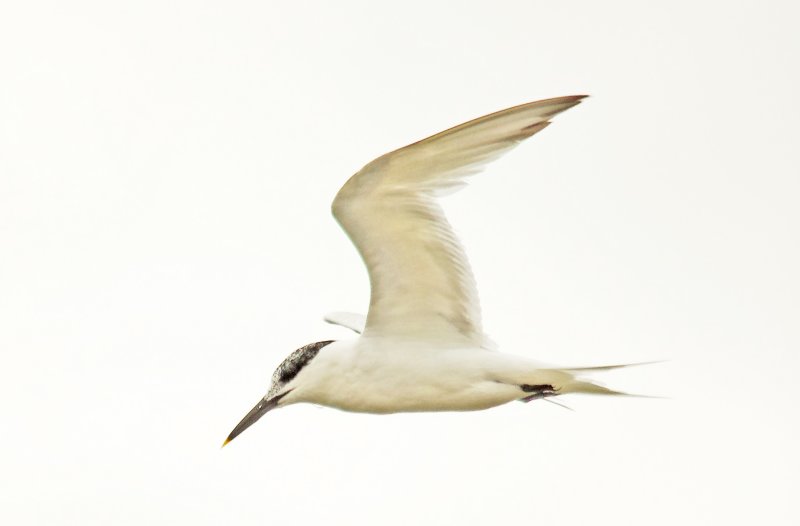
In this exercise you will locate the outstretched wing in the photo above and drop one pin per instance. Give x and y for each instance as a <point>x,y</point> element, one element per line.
<point>350,320</point>
<point>421,282</point>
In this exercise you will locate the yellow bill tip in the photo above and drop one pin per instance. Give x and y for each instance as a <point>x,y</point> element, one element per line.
<point>226,442</point>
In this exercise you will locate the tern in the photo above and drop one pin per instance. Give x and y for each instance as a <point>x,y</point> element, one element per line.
<point>421,346</point>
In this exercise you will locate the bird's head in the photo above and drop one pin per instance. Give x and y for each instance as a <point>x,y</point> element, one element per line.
<point>285,380</point>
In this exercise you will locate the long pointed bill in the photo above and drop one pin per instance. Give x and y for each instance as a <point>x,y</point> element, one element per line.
<point>261,408</point>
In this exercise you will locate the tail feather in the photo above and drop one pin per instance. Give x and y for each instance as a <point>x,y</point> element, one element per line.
<point>608,367</point>
<point>586,387</point>
<point>566,380</point>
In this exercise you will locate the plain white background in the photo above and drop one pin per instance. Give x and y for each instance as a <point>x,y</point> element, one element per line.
<point>166,171</point>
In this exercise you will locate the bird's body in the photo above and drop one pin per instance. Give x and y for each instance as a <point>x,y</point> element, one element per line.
<point>378,375</point>
<point>422,346</point>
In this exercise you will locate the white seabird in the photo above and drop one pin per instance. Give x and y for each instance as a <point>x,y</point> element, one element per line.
<point>421,347</point>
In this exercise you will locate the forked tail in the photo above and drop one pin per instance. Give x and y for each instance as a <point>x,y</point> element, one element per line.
<point>558,381</point>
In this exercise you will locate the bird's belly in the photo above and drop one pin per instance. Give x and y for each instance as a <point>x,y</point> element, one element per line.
<point>398,396</point>
<point>379,379</point>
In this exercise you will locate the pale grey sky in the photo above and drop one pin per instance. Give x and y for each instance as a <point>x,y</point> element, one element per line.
<point>166,171</point>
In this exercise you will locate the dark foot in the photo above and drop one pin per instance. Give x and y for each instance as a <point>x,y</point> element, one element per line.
<point>537,391</point>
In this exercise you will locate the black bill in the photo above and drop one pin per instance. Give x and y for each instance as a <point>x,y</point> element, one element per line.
<point>261,408</point>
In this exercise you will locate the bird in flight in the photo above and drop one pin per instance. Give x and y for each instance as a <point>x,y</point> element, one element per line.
<point>421,346</point>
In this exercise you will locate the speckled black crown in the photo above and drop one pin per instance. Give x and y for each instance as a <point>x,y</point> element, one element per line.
<point>289,368</point>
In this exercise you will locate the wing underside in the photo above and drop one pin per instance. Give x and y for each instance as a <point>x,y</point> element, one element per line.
<point>421,282</point>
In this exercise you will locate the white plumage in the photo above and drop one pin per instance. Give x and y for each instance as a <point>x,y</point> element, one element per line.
<point>423,346</point>
<point>421,282</point>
